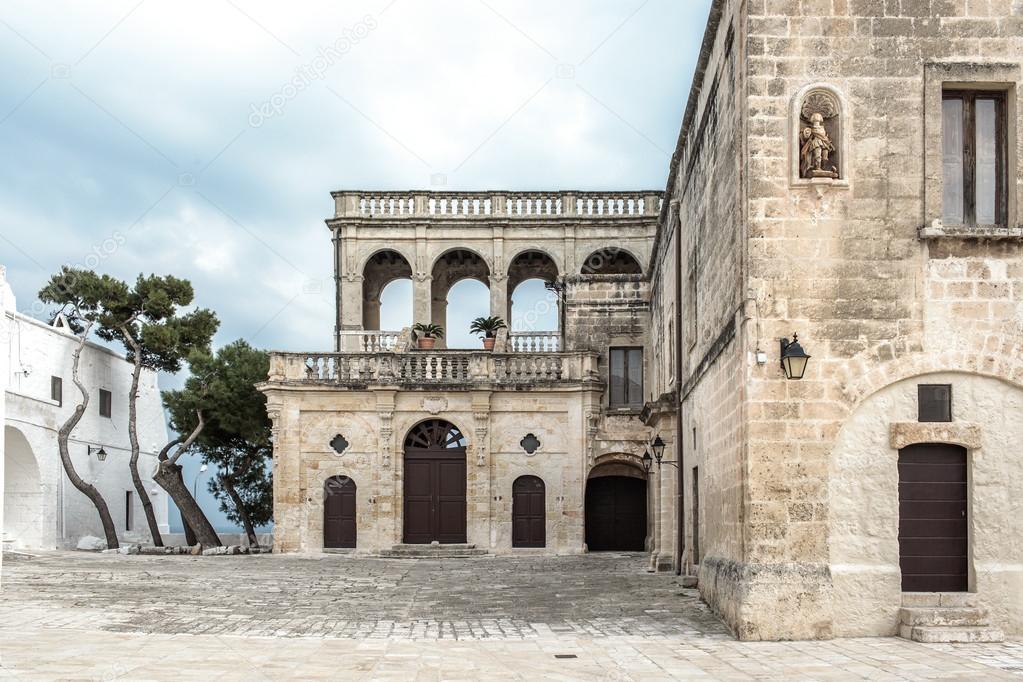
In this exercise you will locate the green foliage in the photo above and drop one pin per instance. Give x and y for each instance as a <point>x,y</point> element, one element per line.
<point>430,331</point>
<point>146,315</point>
<point>236,438</point>
<point>487,326</point>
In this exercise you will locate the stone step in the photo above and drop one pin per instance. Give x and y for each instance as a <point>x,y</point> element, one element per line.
<point>954,635</point>
<point>454,551</point>
<point>934,616</point>
<point>912,599</point>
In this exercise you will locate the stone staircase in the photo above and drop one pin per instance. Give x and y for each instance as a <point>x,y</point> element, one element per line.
<point>945,617</point>
<point>433,551</point>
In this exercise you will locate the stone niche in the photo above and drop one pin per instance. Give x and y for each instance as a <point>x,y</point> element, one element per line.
<point>818,145</point>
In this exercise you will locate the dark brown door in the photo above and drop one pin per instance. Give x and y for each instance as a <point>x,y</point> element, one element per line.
<point>339,527</point>
<point>616,514</point>
<point>435,480</point>
<point>932,518</point>
<point>529,518</point>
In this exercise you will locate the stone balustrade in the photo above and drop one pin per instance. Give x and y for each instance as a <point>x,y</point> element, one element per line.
<point>462,205</point>
<point>451,368</point>
<point>534,342</point>
<point>369,341</point>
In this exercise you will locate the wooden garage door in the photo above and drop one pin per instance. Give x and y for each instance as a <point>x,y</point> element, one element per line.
<point>529,518</point>
<point>339,524</point>
<point>435,482</point>
<point>932,518</point>
<point>616,514</point>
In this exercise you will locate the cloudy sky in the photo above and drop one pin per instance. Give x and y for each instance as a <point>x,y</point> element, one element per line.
<point>202,137</point>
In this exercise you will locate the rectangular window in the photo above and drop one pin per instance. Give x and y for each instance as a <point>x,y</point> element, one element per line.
<point>127,510</point>
<point>626,377</point>
<point>57,390</point>
<point>104,403</point>
<point>974,152</point>
<point>934,402</point>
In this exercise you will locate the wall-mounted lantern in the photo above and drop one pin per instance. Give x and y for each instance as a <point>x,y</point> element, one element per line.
<point>657,445</point>
<point>100,453</point>
<point>793,358</point>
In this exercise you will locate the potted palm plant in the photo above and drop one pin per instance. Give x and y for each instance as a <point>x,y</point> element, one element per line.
<point>488,327</point>
<point>427,334</point>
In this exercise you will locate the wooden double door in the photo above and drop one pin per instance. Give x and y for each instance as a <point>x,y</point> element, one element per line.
<point>339,521</point>
<point>434,485</point>
<point>933,522</point>
<point>616,514</point>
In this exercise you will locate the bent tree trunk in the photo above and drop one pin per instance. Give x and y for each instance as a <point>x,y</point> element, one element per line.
<point>64,434</point>
<point>133,437</point>
<point>190,539</point>
<point>239,506</point>
<point>168,476</point>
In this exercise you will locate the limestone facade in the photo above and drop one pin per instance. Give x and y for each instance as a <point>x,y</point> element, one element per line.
<point>796,482</point>
<point>377,386</point>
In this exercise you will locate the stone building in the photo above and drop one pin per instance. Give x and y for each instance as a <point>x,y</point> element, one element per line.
<point>528,447</point>
<point>41,509</point>
<point>847,170</point>
<point>851,171</point>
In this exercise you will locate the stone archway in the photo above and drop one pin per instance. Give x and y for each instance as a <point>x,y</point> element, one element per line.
<point>616,508</point>
<point>23,492</point>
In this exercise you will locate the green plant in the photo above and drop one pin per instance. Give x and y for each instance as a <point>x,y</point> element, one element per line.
<point>430,331</point>
<point>487,326</point>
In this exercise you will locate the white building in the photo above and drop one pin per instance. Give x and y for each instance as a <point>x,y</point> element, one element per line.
<point>41,508</point>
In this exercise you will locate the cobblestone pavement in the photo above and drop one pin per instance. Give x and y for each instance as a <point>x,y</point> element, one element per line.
<point>67,615</point>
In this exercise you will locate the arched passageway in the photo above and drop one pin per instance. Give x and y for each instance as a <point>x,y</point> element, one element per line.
<point>23,492</point>
<point>616,509</point>
<point>450,284</point>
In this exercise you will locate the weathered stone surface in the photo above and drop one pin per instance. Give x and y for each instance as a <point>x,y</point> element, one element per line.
<point>91,543</point>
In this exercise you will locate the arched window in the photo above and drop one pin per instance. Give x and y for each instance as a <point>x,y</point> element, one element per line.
<point>386,296</point>
<point>612,260</point>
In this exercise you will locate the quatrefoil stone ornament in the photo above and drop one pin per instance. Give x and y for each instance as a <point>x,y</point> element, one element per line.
<point>530,444</point>
<point>339,444</point>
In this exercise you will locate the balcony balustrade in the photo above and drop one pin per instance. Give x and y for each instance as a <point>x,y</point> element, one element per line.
<point>534,342</point>
<point>535,205</point>
<point>453,369</point>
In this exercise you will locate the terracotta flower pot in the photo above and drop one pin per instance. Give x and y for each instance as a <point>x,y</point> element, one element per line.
<point>488,342</point>
<point>426,342</point>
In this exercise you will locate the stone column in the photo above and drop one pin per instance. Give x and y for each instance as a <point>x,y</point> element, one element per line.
<point>499,306</point>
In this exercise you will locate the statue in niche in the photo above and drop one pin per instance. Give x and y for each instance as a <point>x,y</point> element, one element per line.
<point>818,125</point>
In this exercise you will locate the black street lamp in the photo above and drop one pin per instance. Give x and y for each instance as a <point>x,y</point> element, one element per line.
<point>793,358</point>
<point>657,445</point>
<point>101,454</point>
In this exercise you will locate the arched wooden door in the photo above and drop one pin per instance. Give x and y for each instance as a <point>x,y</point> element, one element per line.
<point>339,522</point>
<point>616,514</point>
<point>933,545</point>
<point>529,517</point>
<point>435,481</point>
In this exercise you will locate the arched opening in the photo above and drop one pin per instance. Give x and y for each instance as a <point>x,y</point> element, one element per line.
<point>23,492</point>
<point>461,278</point>
<point>933,518</point>
<point>535,311</point>
<point>616,509</point>
<point>386,301</point>
<point>434,484</point>
<point>339,513</point>
<point>529,512</point>
<point>612,260</point>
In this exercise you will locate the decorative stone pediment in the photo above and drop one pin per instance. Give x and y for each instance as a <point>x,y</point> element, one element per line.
<point>434,404</point>
<point>904,434</point>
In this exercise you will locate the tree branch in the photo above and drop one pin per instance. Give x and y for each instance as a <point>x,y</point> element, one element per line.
<point>191,437</point>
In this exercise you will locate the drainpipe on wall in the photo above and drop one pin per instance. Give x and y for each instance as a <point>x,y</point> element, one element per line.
<point>679,443</point>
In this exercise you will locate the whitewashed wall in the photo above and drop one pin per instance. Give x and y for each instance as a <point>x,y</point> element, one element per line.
<point>56,514</point>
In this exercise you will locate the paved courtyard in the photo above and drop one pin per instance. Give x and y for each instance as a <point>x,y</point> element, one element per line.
<point>73,615</point>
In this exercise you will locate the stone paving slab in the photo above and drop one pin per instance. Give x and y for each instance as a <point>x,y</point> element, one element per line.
<point>83,616</point>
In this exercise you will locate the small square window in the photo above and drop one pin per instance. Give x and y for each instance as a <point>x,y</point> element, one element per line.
<point>105,400</point>
<point>934,402</point>
<point>57,390</point>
